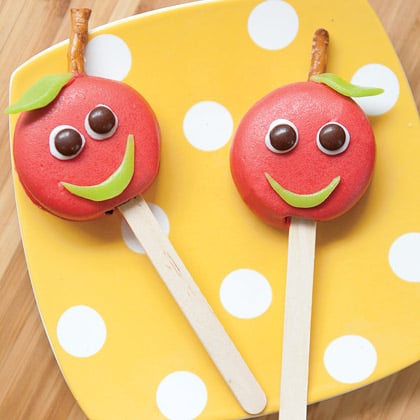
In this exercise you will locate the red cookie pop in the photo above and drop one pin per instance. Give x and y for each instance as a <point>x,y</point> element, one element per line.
<point>303,153</point>
<point>84,146</point>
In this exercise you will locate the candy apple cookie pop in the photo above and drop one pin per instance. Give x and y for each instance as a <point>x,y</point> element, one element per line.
<point>303,153</point>
<point>84,146</point>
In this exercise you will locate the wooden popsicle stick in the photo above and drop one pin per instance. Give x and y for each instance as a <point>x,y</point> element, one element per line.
<point>194,305</point>
<point>297,319</point>
<point>299,286</point>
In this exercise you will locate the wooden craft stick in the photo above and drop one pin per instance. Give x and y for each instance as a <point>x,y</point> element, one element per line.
<point>297,319</point>
<point>193,304</point>
<point>299,286</point>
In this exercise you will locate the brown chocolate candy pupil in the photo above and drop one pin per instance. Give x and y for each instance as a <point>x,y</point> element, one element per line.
<point>283,137</point>
<point>68,141</point>
<point>101,120</point>
<point>332,137</point>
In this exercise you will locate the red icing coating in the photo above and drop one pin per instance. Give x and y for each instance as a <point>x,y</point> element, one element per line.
<point>40,173</point>
<point>305,169</point>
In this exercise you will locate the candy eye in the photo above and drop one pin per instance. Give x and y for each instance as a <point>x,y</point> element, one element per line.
<point>66,142</point>
<point>333,138</point>
<point>101,122</point>
<point>282,136</point>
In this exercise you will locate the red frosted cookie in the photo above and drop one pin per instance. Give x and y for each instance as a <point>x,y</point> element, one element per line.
<point>58,144</point>
<point>304,150</point>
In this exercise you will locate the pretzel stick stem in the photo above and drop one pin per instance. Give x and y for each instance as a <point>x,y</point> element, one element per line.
<point>78,40</point>
<point>319,55</point>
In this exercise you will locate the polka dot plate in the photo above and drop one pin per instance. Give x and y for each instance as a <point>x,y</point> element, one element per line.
<point>121,342</point>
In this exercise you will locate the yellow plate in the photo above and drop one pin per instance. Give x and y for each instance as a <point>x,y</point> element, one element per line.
<point>122,344</point>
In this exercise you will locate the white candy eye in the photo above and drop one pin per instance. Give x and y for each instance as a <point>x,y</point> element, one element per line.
<point>101,123</point>
<point>282,136</point>
<point>66,142</point>
<point>333,138</point>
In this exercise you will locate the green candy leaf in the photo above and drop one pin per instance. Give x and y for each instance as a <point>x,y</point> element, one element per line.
<point>303,201</point>
<point>345,88</point>
<point>43,92</point>
<point>114,185</point>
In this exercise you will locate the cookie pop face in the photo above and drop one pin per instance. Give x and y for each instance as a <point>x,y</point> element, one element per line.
<point>97,133</point>
<point>303,151</point>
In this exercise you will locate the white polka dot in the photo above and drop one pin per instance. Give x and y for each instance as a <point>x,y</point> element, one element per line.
<point>245,293</point>
<point>350,359</point>
<point>181,395</point>
<point>208,125</point>
<point>128,236</point>
<point>377,75</point>
<point>273,24</point>
<point>81,331</point>
<point>404,257</point>
<point>107,56</point>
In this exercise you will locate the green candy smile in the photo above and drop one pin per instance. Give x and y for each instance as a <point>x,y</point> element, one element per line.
<point>114,185</point>
<point>303,201</point>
